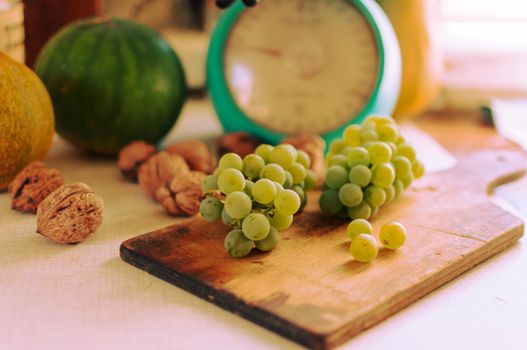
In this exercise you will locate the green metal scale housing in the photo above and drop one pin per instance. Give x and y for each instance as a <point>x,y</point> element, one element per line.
<point>302,66</point>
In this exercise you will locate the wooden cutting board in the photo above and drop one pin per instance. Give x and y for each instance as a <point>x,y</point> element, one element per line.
<point>309,289</point>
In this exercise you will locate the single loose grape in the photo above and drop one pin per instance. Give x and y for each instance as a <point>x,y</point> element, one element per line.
<point>418,169</point>
<point>252,166</point>
<point>237,245</point>
<point>402,166</point>
<point>364,248</point>
<point>390,193</point>
<point>264,191</point>
<point>329,202</point>
<point>406,150</point>
<point>379,152</point>
<point>303,158</point>
<point>361,211</point>
<point>281,222</point>
<point>338,159</point>
<point>392,235</point>
<point>256,226</point>
<point>358,226</point>
<point>230,160</point>
<point>288,180</point>
<point>210,209</point>
<point>375,196</point>
<point>210,183</point>
<point>273,172</point>
<point>388,132</point>
<point>336,177</point>
<point>336,146</point>
<point>358,156</point>
<point>382,175</point>
<point>269,242</point>
<point>263,151</point>
<point>227,220</point>
<point>350,195</point>
<point>287,202</point>
<point>231,180</point>
<point>283,156</point>
<point>310,181</point>
<point>238,205</point>
<point>248,189</point>
<point>360,175</point>
<point>298,172</point>
<point>351,135</point>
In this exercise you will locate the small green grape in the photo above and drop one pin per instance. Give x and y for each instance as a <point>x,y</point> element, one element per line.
<point>237,245</point>
<point>393,146</point>
<point>361,211</point>
<point>217,171</point>
<point>298,172</point>
<point>303,158</point>
<point>252,166</point>
<point>364,248</point>
<point>238,205</point>
<point>287,202</point>
<point>336,146</point>
<point>418,169</point>
<point>338,159</point>
<point>256,226</point>
<point>227,220</point>
<point>399,187</point>
<point>264,191</point>
<point>263,151</point>
<point>230,160</point>
<point>329,202</point>
<point>301,194</point>
<point>310,181</point>
<point>374,211</point>
<point>281,222</point>
<point>351,135</point>
<point>336,177</point>
<point>211,208</point>
<point>248,189</point>
<point>388,132</point>
<point>288,180</point>
<point>402,166</point>
<point>383,174</point>
<point>392,235</point>
<point>350,195</point>
<point>283,155</point>
<point>279,188</point>
<point>358,156</point>
<point>273,172</point>
<point>379,120</point>
<point>407,181</point>
<point>269,242</point>
<point>360,175</point>
<point>390,193</point>
<point>368,135</point>
<point>210,183</point>
<point>375,196</point>
<point>406,150</point>
<point>379,152</point>
<point>231,180</point>
<point>358,226</point>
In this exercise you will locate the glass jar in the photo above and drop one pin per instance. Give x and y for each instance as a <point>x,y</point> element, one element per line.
<point>12,29</point>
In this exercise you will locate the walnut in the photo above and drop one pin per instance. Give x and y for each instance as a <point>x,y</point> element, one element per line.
<point>160,170</point>
<point>238,142</point>
<point>182,196</point>
<point>34,183</point>
<point>132,156</point>
<point>70,213</point>
<point>314,146</point>
<point>196,154</point>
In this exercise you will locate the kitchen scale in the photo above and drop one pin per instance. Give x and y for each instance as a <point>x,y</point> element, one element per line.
<point>295,66</point>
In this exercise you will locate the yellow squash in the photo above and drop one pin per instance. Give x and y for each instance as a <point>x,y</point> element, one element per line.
<point>413,24</point>
<point>27,123</point>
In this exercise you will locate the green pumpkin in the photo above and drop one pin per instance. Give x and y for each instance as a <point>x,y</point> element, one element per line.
<point>111,81</point>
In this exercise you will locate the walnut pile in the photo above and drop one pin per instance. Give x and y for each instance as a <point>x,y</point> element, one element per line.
<point>240,143</point>
<point>314,146</point>
<point>34,183</point>
<point>70,213</point>
<point>183,195</point>
<point>160,170</point>
<point>132,156</point>
<point>196,153</point>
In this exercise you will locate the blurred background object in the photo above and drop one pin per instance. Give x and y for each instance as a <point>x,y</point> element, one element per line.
<point>12,29</point>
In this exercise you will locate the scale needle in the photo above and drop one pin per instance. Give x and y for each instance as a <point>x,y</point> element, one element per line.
<point>264,50</point>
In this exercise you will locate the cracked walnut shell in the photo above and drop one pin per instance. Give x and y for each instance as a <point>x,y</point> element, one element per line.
<point>34,183</point>
<point>196,153</point>
<point>132,156</point>
<point>160,170</point>
<point>183,195</point>
<point>70,213</point>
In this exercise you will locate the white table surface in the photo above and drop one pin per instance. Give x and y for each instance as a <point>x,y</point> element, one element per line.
<point>85,297</point>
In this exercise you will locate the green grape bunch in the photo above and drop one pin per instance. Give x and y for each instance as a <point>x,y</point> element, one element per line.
<point>257,196</point>
<point>370,166</point>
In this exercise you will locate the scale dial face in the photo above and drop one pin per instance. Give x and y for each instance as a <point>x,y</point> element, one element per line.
<point>301,65</point>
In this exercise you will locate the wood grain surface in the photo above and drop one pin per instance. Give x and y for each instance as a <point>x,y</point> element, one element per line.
<point>310,290</point>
